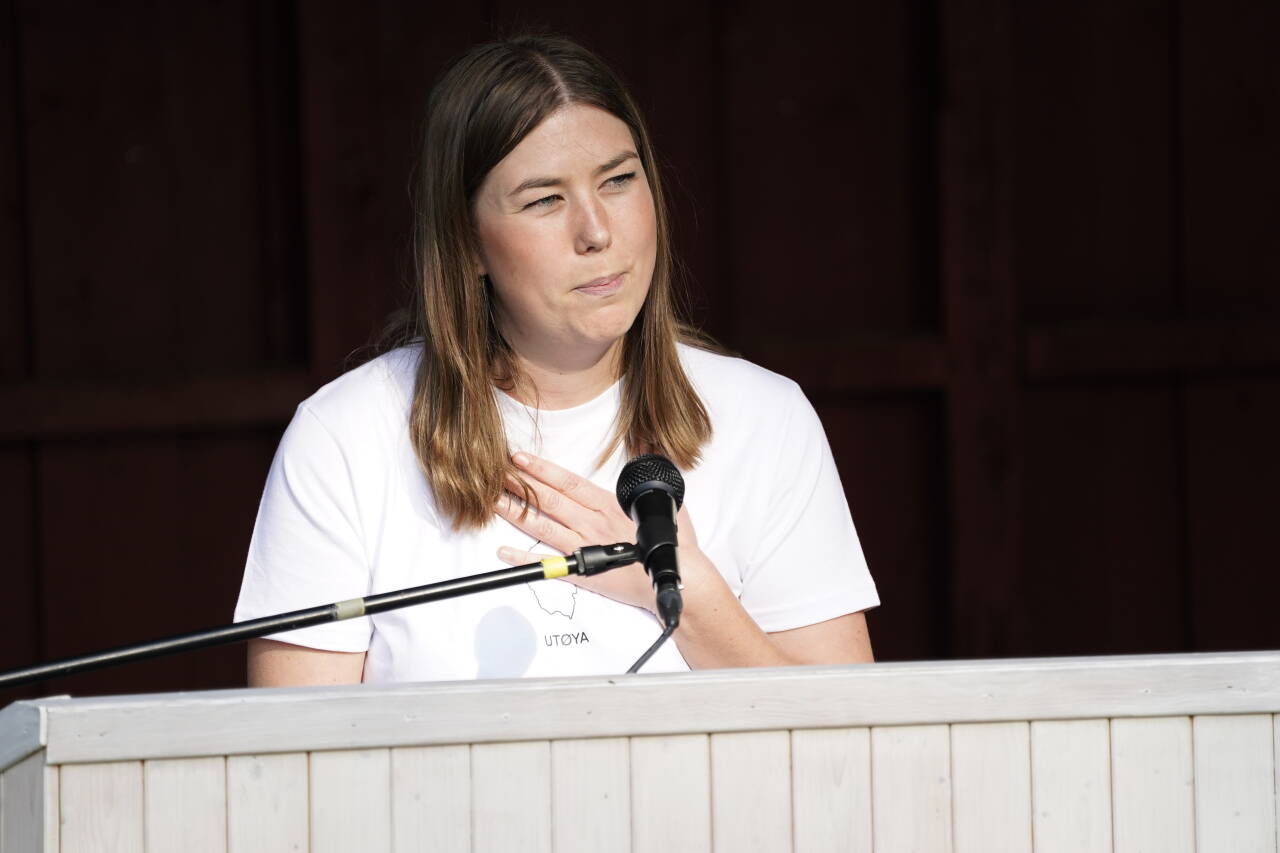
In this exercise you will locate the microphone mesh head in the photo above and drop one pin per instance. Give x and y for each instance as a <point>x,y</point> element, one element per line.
<point>650,471</point>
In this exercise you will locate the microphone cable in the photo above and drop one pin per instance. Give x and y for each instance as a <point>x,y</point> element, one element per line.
<point>644,658</point>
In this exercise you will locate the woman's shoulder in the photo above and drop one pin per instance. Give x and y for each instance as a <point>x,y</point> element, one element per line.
<point>719,376</point>
<point>382,386</point>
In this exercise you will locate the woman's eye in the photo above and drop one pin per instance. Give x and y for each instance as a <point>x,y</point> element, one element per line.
<point>545,201</point>
<point>621,180</point>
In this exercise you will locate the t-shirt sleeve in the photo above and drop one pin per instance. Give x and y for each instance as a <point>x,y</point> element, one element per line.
<point>307,548</point>
<point>807,566</point>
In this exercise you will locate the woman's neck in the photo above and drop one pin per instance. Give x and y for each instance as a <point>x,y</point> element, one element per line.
<point>564,383</point>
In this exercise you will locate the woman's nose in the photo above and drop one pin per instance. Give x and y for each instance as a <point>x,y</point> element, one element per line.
<point>592,226</point>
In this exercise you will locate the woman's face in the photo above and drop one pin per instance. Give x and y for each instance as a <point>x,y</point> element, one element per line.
<point>568,236</point>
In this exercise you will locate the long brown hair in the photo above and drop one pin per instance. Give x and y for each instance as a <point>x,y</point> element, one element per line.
<point>480,110</point>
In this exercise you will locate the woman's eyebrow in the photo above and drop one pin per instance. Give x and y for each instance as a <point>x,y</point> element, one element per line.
<point>539,183</point>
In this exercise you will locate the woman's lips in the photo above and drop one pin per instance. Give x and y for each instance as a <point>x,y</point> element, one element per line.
<point>602,286</point>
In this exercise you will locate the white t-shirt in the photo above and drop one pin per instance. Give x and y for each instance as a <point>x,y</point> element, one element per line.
<point>347,513</point>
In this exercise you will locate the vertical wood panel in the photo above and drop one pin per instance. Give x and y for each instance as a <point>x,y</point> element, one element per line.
<point>751,792</point>
<point>1094,212</point>
<point>671,794</point>
<point>511,797</point>
<point>351,801</point>
<point>364,81</point>
<point>911,788</point>
<point>1235,782</point>
<point>852,240</point>
<point>1229,129</point>
<point>267,803</point>
<point>162,201</point>
<point>591,807</point>
<point>29,807</point>
<point>186,804</point>
<point>831,783</point>
<point>981,317</point>
<point>886,451</point>
<point>991,787</point>
<point>100,806</point>
<point>1151,781</point>
<point>1232,468</point>
<point>13,274</point>
<point>20,629</point>
<point>1101,516</point>
<point>431,799</point>
<point>1071,786</point>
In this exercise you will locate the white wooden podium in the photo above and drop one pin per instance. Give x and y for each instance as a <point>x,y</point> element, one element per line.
<point>1154,753</point>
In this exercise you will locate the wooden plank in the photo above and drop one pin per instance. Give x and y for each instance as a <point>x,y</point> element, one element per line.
<point>1114,350</point>
<point>267,803</point>
<point>351,800</point>
<point>511,797</point>
<point>591,806</point>
<point>261,720</point>
<point>1102,495</point>
<point>20,629</point>
<point>991,787</point>
<point>186,804</point>
<point>897,498</point>
<point>1071,786</point>
<point>751,792</point>
<point>831,782</point>
<point>671,794</point>
<point>911,788</point>
<point>1093,217</point>
<point>37,410</point>
<point>163,274</point>
<point>14,321</point>
<point>855,364</point>
<point>866,73</point>
<point>976,155</point>
<point>1235,782</point>
<point>431,799</point>
<point>29,807</point>
<point>1230,180</point>
<point>359,152</point>
<point>22,732</point>
<point>100,807</point>
<point>1231,425</point>
<point>1152,787</point>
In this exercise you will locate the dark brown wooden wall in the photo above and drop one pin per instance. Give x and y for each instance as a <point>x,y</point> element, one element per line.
<point>1021,256</point>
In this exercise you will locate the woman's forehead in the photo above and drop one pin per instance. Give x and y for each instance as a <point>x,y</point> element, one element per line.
<point>573,141</point>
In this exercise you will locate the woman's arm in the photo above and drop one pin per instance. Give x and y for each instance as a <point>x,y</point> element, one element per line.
<point>276,664</point>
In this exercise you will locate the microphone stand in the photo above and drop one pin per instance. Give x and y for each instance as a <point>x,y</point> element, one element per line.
<point>588,560</point>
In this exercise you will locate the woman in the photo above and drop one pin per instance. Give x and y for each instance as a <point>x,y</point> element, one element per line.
<point>547,352</point>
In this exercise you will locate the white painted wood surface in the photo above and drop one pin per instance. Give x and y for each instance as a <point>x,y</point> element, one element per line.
<point>367,716</point>
<point>1071,786</point>
<point>831,790</point>
<point>911,789</point>
<point>671,794</point>
<point>511,797</point>
<point>29,807</point>
<point>186,804</point>
<point>1152,788</point>
<point>1234,782</point>
<point>100,807</point>
<point>267,803</point>
<point>351,801</point>
<point>751,792</point>
<point>991,787</point>
<point>591,795</point>
<point>431,799</point>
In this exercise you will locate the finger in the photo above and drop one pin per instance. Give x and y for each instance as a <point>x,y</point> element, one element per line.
<point>550,502</point>
<point>579,489</point>
<point>516,557</point>
<point>537,524</point>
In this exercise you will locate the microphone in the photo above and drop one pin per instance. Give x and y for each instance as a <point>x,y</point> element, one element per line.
<point>651,490</point>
